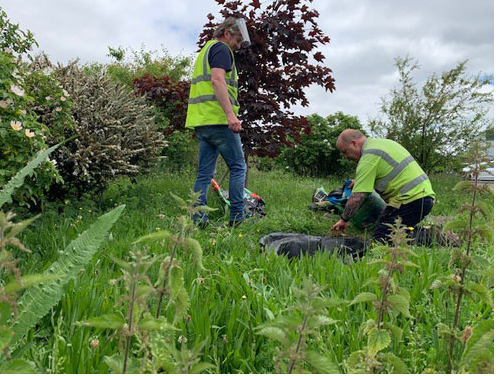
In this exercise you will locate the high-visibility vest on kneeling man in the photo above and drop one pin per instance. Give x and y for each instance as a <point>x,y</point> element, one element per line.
<point>389,168</point>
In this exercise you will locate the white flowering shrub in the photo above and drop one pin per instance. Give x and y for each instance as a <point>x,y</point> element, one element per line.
<point>22,135</point>
<point>116,134</point>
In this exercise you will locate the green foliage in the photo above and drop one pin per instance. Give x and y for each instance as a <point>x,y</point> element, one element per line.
<point>317,154</point>
<point>171,280</point>
<point>181,361</point>
<point>9,232</point>
<point>466,264</point>
<point>218,314</point>
<point>126,67</point>
<point>393,298</point>
<point>22,134</point>
<point>138,321</point>
<point>478,353</point>
<point>439,121</point>
<point>181,151</point>
<point>18,180</point>
<point>17,366</point>
<point>38,300</point>
<point>115,132</point>
<point>52,103</point>
<point>12,38</point>
<point>293,332</point>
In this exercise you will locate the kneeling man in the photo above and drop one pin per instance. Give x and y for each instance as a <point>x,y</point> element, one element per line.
<point>387,167</point>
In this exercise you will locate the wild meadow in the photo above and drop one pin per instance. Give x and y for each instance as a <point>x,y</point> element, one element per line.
<point>103,271</point>
<point>240,290</point>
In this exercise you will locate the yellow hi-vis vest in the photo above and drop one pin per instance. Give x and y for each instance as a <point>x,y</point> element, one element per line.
<point>203,107</point>
<point>390,169</point>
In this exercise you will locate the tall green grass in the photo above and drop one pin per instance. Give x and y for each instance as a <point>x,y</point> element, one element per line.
<point>241,287</point>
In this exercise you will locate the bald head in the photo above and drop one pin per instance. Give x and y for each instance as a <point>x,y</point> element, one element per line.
<point>350,143</point>
<point>349,135</point>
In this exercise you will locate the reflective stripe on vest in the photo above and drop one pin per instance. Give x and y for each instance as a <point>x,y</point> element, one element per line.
<point>207,98</point>
<point>203,106</point>
<point>208,77</point>
<point>397,168</point>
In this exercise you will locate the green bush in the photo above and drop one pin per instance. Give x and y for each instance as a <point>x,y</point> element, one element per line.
<point>22,134</point>
<point>116,134</point>
<point>181,151</point>
<point>318,155</point>
<point>157,64</point>
<point>51,102</point>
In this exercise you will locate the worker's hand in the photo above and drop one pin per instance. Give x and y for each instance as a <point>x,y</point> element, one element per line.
<point>341,225</point>
<point>234,123</point>
<point>352,181</point>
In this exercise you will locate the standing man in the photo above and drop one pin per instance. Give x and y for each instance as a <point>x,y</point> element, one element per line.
<point>212,112</point>
<point>387,167</point>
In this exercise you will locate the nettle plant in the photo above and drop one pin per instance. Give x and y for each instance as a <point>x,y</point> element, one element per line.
<point>149,343</point>
<point>296,330</point>
<point>393,299</point>
<point>22,134</point>
<point>472,275</point>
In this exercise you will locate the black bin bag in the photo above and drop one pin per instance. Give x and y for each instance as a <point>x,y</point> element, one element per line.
<point>295,245</point>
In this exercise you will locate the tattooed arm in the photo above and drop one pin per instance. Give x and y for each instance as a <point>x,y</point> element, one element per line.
<point>352,206</point>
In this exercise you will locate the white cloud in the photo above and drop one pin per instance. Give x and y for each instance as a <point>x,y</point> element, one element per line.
<point>366,36</point>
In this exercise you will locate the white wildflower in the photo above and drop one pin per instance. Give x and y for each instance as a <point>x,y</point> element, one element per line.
<point>28,133</point>
<point>16,125</point>
<point>17,90</point>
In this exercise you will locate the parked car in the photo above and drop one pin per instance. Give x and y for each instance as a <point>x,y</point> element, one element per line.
<point>486,174</point>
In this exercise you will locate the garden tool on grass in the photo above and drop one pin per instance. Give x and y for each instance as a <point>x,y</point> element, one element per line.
<point>254,204</point>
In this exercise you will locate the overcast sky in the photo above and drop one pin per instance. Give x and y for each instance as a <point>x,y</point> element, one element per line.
<point>366,36</point>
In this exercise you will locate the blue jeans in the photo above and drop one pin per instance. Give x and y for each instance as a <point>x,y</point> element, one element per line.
<point>214,140</point>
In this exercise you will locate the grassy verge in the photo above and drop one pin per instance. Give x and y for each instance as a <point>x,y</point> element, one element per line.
<point>241,287</point>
